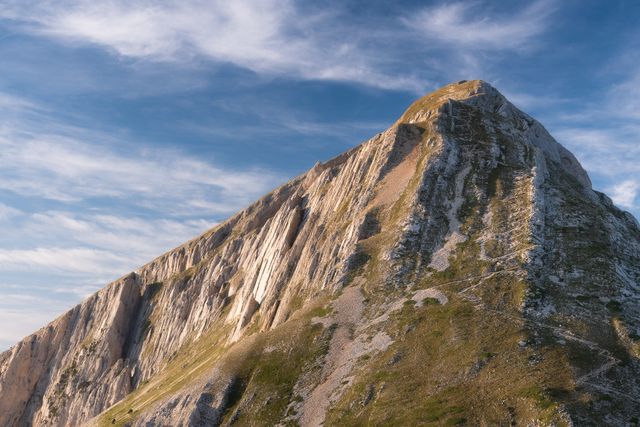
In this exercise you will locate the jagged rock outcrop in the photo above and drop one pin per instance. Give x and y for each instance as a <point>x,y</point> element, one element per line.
<point>457,268</point>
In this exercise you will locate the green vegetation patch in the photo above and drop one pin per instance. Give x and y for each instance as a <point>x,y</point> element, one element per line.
<point>269,370</point>
<point>466,367</point>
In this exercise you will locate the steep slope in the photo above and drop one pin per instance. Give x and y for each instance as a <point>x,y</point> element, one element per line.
<point>455,269</point>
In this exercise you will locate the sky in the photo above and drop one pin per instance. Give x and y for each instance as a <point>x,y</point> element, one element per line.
<point>130,126</point>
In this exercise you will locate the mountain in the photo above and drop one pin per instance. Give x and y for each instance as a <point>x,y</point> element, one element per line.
<point>456,269</point>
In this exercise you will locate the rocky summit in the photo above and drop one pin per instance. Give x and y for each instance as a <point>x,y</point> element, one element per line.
<point>456,269</point>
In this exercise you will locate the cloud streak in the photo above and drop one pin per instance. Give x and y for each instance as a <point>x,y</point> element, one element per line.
<point>269,37</point>
<point>65,164</point>
<point>286,38</point>
<point>68,260</point>
<point>465,25</point>
<point>624,194</point>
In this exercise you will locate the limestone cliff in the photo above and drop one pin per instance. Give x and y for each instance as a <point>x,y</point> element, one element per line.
<point>456,268</point>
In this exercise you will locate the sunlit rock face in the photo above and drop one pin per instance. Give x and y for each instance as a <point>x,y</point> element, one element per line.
<point>454,269</point>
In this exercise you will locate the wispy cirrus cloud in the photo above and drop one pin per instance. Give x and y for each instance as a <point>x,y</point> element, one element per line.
<point>67,260</point>
<point>470,38</point>
<point>466,25</point>
<point>14,103</point>
<point>64,169</point>
<point>271,37</point>
<point>7,212</point>
<point>625,193</point>
<point>292,39</point>
<point>43,157</point>
<point>607,151</point>
<point>624,98</point>
<point>87,246</point>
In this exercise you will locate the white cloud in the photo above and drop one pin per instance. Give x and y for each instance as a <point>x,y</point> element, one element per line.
<point>295,39</point>
<point>91,165</point>
<point>15,103</point>
<point>68,260</point>
<point>271,37</point>
<point>623,99</point>
<point>466,25</point>
<point>608,152</point>
<point>8,212</point>
<point>137,239</point>
<point>624,194</point>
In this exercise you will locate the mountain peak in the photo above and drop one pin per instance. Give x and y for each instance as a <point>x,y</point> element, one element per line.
<point>472,92</point>
<point>462,252</point>
<point>455,102</point>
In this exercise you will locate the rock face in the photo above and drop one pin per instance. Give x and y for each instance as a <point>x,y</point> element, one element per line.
<point>455,269</point>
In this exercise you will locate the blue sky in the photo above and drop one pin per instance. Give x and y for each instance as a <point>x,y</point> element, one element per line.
<point>128,127</point>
